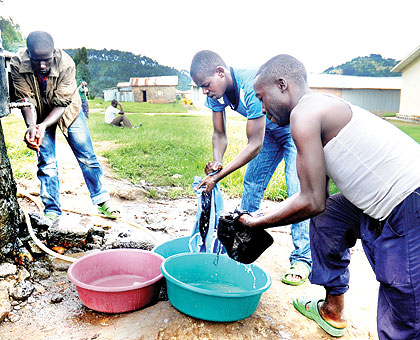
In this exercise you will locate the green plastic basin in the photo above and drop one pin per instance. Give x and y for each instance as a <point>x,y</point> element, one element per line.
<point>172,247</point>
<point>214,288</point>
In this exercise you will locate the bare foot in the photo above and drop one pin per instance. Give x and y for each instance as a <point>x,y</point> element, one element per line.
<point>332,310</point>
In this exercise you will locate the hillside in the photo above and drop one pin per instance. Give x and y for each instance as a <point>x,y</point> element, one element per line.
<point>373,65</point>
<point>108,67</point>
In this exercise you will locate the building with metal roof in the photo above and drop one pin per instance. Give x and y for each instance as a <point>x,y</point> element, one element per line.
<point>154,89</point>
<point>410,98</point>
<point>377,94</point>
<point>145,89</point>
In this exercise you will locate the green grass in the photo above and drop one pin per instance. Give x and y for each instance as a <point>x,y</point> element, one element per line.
<point>140,107</point>
<point>21,158</point>
<point>169,150</point>
<point>411,129</point>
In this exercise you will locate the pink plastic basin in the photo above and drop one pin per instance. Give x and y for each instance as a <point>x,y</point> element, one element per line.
<point>117,280</point>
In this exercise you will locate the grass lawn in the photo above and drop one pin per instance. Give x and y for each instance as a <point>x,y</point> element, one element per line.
<point>140,107</point>
<point>167,151</point>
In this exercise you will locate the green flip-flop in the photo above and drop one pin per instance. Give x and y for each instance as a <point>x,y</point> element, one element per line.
<point>108,210</point>
<point>300,269</point>
<point>312,313</point>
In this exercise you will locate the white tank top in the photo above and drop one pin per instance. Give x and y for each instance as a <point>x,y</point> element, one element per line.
<point>373,163</point>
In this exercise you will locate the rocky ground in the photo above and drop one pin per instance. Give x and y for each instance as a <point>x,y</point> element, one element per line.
<point>39,302</point>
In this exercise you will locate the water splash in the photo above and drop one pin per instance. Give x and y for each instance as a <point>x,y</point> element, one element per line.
<point>216,260</point>
<point>249,269</point>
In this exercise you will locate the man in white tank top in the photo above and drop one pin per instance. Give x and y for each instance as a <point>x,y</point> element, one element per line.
<point>376,167</point>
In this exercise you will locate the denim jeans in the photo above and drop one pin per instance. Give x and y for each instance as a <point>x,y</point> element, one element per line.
<point>278,144</point>
<point>81,144</point>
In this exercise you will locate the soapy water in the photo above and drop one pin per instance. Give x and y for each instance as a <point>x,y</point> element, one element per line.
<point>248,269</point>
<point>119,281</point>
<point>218,286</point>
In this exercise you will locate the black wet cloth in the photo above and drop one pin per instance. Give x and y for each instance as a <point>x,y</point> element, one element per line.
<point>209,208</point>
<point>243,244</point>
<point>204,222</point>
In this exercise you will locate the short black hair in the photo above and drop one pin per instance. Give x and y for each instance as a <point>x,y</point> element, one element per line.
<point>40,41</point>
<point>283,66</point>
<point>205,63</point>
<point>114,101</point>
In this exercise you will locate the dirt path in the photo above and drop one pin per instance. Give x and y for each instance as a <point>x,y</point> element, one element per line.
<point>275,317</point>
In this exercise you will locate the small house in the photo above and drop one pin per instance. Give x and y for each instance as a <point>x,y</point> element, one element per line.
<point>154,89</point>
<point>410,99</point>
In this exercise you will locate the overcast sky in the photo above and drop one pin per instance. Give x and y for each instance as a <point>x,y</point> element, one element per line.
<point>321,33</point>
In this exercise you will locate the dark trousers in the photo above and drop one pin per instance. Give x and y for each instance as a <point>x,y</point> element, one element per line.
<point>85,108</point>
<point>392,247</point>
<point>122,120</point>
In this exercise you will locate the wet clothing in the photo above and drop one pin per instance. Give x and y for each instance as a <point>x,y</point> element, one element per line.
<point>278,144</point>
<point>243,244</point>
<point>368,161</point>
<point>60,90</point>
<point>209,208</point>
<point>61,87</point>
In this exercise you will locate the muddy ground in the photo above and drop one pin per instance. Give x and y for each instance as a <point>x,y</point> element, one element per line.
<point>275,318</point>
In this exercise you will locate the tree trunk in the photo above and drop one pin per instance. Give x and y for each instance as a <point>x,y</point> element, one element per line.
<point>11,218</point>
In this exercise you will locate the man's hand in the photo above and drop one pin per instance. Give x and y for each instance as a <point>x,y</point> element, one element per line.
<point>34,136</point>
<point>208,183</point>
<point>40,132</point>
<point>30,137</point>
<point>247,220</point>
<point>212,167</point>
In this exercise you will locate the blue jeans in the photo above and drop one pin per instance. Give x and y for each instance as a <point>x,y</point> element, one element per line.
<point>392,247</point>
<point>278,144</point>
<point>85,108</point>
<point>82,147</point>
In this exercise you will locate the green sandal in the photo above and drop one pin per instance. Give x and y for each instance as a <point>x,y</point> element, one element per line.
<point>108,210</point>
<point>300,269</point>
<point>309,308</point>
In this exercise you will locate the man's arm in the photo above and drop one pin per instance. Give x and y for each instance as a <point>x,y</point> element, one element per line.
<point>121,109</point>
<point>219,138</point>
<point>310,162</point>
<point>220,142</point>
<point>255,130</point>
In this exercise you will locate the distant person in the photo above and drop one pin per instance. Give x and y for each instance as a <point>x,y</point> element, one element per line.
<point>84,93</point>
<point>267,145</point>
<point>111,115</point>
<point>45,76</point>
<point>376,167</point>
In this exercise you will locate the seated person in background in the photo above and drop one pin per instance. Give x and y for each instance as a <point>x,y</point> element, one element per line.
<point>112,118</point>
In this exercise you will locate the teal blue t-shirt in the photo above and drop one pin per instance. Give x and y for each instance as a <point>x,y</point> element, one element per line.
<point>249,105</point>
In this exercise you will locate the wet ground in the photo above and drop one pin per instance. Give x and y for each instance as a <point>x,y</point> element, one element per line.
<point>275,318</point>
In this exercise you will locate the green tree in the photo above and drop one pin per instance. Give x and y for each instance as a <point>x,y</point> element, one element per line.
<point>81,60</point>
<point>11,35</point>
<point>81,56</point>
<point>82,73</point>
